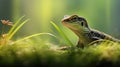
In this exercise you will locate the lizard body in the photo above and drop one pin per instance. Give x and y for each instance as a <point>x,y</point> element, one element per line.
<point>86,35</point>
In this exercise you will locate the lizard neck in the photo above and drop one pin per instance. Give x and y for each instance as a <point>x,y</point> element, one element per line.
<point>83,38</point>
<point>81,33</point>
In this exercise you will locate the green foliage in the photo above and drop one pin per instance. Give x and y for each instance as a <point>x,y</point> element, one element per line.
<point>8,36</point>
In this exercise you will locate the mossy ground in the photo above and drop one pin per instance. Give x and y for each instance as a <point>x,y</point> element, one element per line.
<point>31,53</point>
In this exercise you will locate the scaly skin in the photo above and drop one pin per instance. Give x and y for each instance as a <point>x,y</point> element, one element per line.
<point>86,35</point>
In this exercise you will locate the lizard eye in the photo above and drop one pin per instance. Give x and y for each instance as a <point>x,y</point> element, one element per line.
<point>74,18</point>
<point>82,23</point>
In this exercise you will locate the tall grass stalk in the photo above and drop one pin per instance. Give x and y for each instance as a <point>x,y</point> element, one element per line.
<point>34,35</point>
<point>62,34</point>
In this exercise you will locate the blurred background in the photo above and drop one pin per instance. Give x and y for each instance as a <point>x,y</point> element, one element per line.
<point>103,15</point>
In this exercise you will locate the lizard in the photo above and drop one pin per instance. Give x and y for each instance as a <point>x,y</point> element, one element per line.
<point>86,35</point>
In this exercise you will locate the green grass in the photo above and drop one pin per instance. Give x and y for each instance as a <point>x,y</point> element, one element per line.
<point>9,35</point>
<point>32,51</point>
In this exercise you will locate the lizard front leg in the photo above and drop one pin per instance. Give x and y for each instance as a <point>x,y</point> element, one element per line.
<point>80,45</point>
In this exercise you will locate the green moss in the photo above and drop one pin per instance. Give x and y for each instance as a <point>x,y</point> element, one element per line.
<point>38,53</point>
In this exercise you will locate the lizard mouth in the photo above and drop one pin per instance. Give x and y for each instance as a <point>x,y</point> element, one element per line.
<point>67,24</point>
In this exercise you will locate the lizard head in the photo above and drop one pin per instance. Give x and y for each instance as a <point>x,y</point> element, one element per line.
<point>76,24</point>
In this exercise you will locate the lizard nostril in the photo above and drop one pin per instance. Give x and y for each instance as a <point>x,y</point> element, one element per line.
<point>66,16</point>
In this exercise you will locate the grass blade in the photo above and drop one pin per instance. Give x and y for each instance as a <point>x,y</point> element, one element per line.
<point>62,34</point>
<point>38,34</point>
<point>14,31</point>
